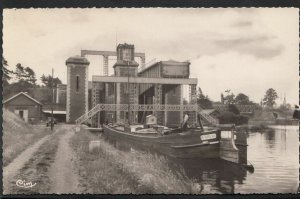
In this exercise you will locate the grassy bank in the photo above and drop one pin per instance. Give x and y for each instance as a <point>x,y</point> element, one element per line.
<point>108,170</point>
<point>18,135</point>
<point>36,169</point>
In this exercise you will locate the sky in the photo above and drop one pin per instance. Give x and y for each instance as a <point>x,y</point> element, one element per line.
<point>245,50</point>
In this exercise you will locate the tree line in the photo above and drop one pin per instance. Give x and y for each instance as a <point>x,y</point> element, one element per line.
<point>23,78</point>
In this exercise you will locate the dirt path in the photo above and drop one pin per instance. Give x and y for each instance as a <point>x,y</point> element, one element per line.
<point>62,173</point>
<point>11,170</point>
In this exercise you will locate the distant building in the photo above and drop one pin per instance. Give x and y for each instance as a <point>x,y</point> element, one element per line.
<point>61,94</point>
<point>25,106</point>
<point>59,111</point>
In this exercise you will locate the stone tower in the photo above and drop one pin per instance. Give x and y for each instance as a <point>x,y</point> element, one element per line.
<point>77,87</point>
<point>127,93</point>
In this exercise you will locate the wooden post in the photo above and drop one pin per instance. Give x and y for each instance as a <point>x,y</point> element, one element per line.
<point>52,96</point>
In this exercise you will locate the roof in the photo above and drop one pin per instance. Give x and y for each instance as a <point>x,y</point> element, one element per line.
<point>131,63</point>
<point>77,60</point>
<point>25,94</point>
<point>209,111</point>
<point>62,86</point>
<point>125,46</point>
<point>56,112</point>
<point>168,63</point>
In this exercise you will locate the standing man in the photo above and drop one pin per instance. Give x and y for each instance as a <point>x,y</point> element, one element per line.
<point>185,119</point>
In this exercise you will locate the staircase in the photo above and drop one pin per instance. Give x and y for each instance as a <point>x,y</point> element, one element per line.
<point>209,119</point>
<point>88,115</point>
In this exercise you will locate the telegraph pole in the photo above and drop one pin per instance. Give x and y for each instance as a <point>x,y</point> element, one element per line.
<point>52,122</point>
<point>128,93</point>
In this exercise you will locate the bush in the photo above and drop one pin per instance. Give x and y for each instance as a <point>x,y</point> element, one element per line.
<point>232,108</point>
<point>231,118</point>
<point>241,119</point>
<point>227,117</point>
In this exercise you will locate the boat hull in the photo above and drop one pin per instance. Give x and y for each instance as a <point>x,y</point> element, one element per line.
<point>177,146</point>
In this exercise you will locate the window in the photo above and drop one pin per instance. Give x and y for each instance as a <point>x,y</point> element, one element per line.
<point>77,83</point>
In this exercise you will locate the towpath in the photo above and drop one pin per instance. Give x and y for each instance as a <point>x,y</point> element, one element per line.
<point>62,172</point>
<point>12,169</point>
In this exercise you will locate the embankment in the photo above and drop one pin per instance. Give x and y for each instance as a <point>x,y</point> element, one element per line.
<point>109,170</point>
<point>18,135</point>
<point>36,169</point>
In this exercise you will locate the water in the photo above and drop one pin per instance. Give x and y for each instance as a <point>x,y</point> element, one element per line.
<point>273,154</point>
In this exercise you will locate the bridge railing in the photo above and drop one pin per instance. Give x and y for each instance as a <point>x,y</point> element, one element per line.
<point>135,107</point>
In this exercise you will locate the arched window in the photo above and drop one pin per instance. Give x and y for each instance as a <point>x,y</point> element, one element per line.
<point>77,83</point>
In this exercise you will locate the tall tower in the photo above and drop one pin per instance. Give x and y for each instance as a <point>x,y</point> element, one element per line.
<point>77,87</point>
<point>127,93</point>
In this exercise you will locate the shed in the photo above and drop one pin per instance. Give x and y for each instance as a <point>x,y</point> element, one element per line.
<point>25,106</point>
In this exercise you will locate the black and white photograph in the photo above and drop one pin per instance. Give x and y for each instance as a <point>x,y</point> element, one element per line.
<point>150,101</point>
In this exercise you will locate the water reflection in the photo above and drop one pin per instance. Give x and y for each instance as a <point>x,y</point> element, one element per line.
<point>274,155</point>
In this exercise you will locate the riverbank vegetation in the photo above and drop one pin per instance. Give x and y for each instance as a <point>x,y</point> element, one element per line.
<point>109,170</point>
<point>18,135</point>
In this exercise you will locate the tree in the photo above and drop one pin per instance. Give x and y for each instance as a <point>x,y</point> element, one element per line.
<point>229,98</point>
<point>233,109</point>
<point>270,97</point>
<point>16,87</point>
<point>222,98</point>
<point>46,80</point>
<point>242,99</point>
<point>203,101</point>
<point>25,74</point>
<point>20,72</point>
<point>30,76</point>
<point>6,73</point>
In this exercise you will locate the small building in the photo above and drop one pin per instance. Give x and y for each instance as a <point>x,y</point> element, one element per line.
<point>59,111</point>
<point>25,106</point>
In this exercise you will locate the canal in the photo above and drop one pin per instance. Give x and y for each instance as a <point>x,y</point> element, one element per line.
<point>274,155</point>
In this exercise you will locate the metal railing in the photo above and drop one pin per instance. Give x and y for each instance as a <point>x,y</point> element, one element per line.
<point>209,118</point>
<point>135,107</point>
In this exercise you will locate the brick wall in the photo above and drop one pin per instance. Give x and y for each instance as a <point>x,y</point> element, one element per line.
<point>77,104</point>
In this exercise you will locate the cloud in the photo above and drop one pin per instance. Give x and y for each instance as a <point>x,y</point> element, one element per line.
<point>242,24</point>
<point>261,47</point>
<point>227,47</point>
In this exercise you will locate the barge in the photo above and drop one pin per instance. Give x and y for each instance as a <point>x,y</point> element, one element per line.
<point>191,143</point>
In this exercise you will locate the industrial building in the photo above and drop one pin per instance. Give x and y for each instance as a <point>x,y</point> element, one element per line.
<point>131,93</point>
